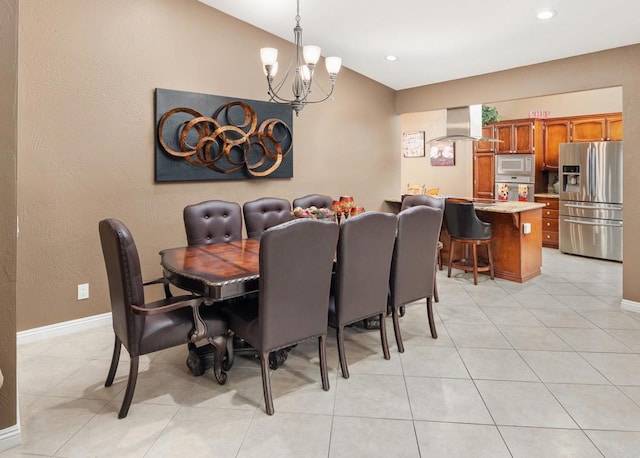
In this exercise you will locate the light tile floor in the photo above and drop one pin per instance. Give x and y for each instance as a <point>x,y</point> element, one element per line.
<point>542,369</point>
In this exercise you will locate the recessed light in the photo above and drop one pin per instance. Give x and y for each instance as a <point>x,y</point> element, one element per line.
<point>546,14</point>
<point>391,58</point>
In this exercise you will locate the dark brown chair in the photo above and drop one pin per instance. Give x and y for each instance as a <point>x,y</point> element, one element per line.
<point>363,264</point>
<point>213,221</point>
<point>263,213</point>
<point>466,229</point>
<point>148,327</point>
<point>413,264</point>
<point>434,202</point>
<point>296,260</point>
<point>315,200</point>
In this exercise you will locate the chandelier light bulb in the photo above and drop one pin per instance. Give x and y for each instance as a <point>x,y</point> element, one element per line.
<point>311,54</point>
<point>305,73</point>
<point>269,56</point>
<point>333,64</point>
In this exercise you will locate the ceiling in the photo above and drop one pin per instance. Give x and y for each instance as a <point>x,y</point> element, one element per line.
<point>442,40</point>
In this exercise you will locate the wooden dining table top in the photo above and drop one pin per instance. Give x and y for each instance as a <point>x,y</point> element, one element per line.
<point>217,271</point>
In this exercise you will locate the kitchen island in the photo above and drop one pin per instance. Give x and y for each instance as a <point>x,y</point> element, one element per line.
<point>517,238</point>
<point>517,256</point>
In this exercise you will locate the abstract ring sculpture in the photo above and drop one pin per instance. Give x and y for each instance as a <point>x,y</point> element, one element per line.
<point>225,146</point>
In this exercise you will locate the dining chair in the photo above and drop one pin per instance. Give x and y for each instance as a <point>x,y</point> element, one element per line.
<point>212,221</point>
<point>363,264</point>
<point>264,213</point>
<point>296,262</point>
<point>434,202</point>
<point>145,327</point>
<point>413,263</point>
<point>466,229</point>
<point>315,200</point>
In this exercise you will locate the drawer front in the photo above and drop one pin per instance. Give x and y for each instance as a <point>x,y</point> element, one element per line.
<point>549,225</point>
<point>550,239</point>
<point>551,214</point>
<point>551,204</point>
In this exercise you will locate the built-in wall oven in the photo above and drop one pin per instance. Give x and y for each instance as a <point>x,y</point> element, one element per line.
<point>515,177</point>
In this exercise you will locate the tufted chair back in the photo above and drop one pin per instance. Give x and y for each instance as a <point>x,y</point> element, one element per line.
<point>212,221</point>
<point>412,201</point>
<point>264,213</point>
<point>315,200</point>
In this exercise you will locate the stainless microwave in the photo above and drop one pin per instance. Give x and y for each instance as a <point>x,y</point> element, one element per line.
<point>510,166</point>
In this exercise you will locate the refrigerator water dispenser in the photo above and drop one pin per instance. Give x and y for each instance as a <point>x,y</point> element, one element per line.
<point>571,178</point>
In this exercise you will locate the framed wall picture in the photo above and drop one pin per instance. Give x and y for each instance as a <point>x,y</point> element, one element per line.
<point>442,154</point>
<point>413,144</point>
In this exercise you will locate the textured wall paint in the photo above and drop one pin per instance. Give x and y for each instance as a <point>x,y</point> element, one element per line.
<point>8,250</point>
<point>616,67</point>
<point>86,136</point>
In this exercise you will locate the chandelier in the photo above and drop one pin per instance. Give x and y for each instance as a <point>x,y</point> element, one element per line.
<point>304,65</point>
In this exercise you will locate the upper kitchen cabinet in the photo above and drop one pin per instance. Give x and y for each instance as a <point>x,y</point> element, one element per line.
<point>484,166</point>
<point>597,129</point>
<point>516,137</point>
<point>555,131</point>
<point>614,128</point>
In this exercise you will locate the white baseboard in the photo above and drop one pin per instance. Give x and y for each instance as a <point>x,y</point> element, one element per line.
<point>66,327</point>
<point>10,437</point>
<point>631,306</point>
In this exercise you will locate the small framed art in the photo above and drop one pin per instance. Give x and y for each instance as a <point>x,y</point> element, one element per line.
<point>413,144</point>
<point>442,154</point>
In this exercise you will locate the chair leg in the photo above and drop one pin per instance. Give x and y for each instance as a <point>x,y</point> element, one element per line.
<point>114,362</point>
<point>322,352</point>
<point>230,353</point>
<point>266,382</point>
<point>490,254</point>
<point>451,251</point>
<point>396,329</point>
<point>131,386</point>
<point>383,336</point>
<point>220,348</point>
<point>435,288</point>
<point>432,324</point>
<point>343,359</point>
<point>474,250</point>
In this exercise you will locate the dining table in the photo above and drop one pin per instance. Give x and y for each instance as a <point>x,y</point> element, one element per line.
<point>218,272</point>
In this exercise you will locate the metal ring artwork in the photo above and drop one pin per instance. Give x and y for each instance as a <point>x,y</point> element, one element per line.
<point>227,146</point>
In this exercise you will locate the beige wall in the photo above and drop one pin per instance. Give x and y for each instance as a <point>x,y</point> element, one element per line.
<point>617,67</point>
<point>8,157</point>
<point>88,70</point>
<point>451,180</point>
<point>598,101</point>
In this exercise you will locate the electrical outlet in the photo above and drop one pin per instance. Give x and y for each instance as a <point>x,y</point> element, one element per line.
<point>83,291</point>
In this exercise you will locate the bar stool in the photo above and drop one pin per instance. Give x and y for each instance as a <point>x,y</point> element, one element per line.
<point>466,229</point>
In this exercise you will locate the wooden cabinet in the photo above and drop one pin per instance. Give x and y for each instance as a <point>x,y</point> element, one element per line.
<point>549,221</point>
<point>606,127</point>
<point>516,137</point>
<point>484,166</point>
<point>614,128</point>
<point>597,129</point>
<point>556,131</point>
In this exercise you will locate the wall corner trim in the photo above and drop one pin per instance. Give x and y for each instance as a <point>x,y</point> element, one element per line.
<point>630,306</point>
<point>10,437</point>
<point>63,328</point>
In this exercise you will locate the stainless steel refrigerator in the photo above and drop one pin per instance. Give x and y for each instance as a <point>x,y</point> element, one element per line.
<point>590,221</point>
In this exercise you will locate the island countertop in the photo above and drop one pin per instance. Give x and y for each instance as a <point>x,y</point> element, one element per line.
<point>508,206</point>
<point>492,206</point>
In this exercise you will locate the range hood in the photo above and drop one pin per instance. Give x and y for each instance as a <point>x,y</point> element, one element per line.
<point>464,124</point>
